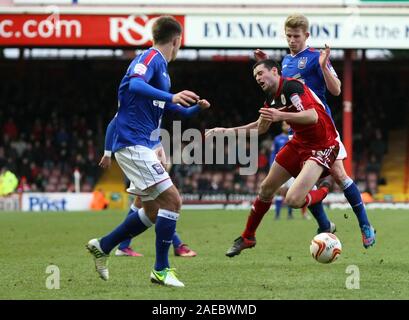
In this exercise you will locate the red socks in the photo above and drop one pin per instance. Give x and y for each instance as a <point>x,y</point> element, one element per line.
<point>258,210</point>
<point>260,207</point>
<point>315,196</point>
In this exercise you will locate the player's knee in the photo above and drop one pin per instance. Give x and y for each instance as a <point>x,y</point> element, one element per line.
<point>338,173</point>
<point>137,202</point>
<point>295,201</point>
<point>266,191</point>
<point>152,215</point>
<point>174,202</point>
<point>170,200</point>
<point>178,203</point>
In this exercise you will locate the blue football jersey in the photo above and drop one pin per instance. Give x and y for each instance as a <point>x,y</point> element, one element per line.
<point>305,67</point>
<point>139,118</point>
<point>278,144</point>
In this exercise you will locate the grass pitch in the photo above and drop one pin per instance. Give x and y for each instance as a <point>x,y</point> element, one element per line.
<point>280,267</point>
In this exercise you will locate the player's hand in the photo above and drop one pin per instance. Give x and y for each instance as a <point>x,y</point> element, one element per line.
<point>185,98</point>
<point>203,104</point>
<point>260,55</point>
<point>105,162</point>
<point>214,131</point>
<point>271,114</point>
<point>324,56</point>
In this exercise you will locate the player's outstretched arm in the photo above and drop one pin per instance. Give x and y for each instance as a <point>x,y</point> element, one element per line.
<point>263,125</point>
<point>139,86</point>
<point>213,131</point>
<point>188,112</point>
<point>185,97</point>
<point>203,104</point>
<point>253,125</point>
<point>331,80</point>
<point>309,116</point>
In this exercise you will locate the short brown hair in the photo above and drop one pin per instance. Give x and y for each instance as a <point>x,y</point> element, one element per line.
<point>297,21</point>
<point>165,29</point>
<point>269,64</point>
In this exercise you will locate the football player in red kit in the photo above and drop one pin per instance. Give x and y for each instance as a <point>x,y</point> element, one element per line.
<point>307,157</point>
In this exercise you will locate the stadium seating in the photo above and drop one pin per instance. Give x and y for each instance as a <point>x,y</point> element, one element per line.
<point>54,115</point>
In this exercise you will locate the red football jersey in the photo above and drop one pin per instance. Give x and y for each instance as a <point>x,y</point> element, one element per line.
<point>294,96</point>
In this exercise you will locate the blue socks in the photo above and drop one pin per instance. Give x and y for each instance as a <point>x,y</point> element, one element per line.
<point>290,212</point>
<point>317,210</point>
<point>278,203</point>
<point>176,240</point>
<point>353,195</point>
<point>126,243</point>
<point>354,198</point>
<point>165,228</point>
<point>134,224</point>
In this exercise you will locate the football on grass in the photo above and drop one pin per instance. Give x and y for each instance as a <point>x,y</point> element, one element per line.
<point>325,247</point>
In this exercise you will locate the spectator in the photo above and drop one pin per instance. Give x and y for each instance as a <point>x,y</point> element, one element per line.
<point>8,182</point>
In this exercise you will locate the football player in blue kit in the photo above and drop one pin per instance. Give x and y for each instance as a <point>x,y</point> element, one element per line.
<point>143,94</point>
<point>124,249</point>
<point>314,69</point>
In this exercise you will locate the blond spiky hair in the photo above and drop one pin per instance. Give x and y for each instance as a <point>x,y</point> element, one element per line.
<point>297,20</point>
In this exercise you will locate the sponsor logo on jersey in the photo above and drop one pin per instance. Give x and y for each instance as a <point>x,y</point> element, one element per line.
<point>296,100</point>
<point>158,103</point>
<point>283,100</point>
<point>302,62</point>
<point>140,69</point>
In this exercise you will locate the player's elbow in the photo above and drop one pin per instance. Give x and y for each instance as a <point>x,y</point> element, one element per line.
<point>262,130</point>
<point>263,126</point>
<point>336,88</point>
<point>336,91</point>
<point>313,117</point>
<point>135,85</point>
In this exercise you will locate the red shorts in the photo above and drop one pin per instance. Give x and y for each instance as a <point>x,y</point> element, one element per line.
<point>293,156</point>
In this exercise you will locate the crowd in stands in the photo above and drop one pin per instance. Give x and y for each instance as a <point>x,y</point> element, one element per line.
<point>53,116</point>
<point>51,124</point>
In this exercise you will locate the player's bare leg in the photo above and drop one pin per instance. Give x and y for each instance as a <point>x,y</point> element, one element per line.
<point>300,193</point>
<point>275,178</point>
<point>151,208</point>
